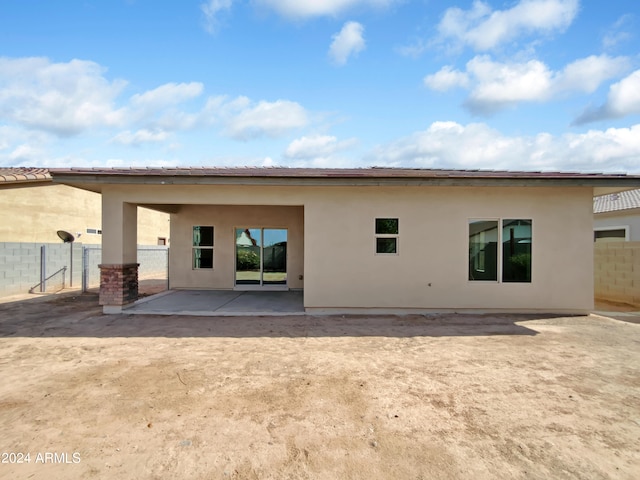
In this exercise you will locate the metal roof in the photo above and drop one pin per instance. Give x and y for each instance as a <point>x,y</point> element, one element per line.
<point>284,172</point>
<point>93,179</point>
<point>617,201</point>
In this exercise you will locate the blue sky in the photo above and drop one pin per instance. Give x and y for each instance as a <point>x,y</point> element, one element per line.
<point>519,84</point>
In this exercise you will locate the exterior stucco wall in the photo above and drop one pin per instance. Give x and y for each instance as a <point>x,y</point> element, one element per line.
<point>34,212</point>
<point>341,270</point>
<point>225,219</point>
<point>624,218</point>
<point>430,271</point>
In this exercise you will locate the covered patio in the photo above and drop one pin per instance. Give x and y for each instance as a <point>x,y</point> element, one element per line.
<point>217,303</point>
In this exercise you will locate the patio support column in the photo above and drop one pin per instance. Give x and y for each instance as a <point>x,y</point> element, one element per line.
<point>119,267</point>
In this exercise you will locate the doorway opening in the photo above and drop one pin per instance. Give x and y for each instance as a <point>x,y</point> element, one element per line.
<point>261,258</point>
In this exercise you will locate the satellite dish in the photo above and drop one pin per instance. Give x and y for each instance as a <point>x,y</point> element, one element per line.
<point>66,237</point>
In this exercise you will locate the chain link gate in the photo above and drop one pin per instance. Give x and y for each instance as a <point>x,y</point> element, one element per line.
<point>154,265</point>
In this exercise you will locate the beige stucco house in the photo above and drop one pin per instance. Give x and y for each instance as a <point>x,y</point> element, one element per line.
<point>33,209</point>
<point>361,240</point>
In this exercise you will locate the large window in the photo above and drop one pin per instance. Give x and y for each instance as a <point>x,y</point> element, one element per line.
<point>500,250</point>
<point>516,250</point>
<point>202,247</point>
<point>483,250</point>
<point>387,236</point>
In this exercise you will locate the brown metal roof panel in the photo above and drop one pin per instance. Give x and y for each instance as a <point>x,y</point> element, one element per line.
<point>331,173</point>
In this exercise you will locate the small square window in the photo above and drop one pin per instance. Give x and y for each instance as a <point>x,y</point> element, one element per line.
<point>203,258</point>
<point>386,226</point>
<point>386,245</point>
<point>386,230</point>
<point>203,236</point>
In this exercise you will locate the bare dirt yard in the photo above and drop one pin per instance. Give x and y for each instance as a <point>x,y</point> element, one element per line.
<point>92,396</point>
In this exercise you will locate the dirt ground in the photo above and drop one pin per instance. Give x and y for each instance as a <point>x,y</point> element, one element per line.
<point>482,397</point>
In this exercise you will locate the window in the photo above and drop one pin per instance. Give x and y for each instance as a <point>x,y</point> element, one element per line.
<point>516,251</point>
<point>94,231</point>
<point>505,250</point>
<point>202,247</point>
<point>483,250</point>
<point>611,234</point>
<point>162,241</point>
<point>387,236</point>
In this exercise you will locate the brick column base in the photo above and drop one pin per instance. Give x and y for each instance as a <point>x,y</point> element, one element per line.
<point>118,284</point>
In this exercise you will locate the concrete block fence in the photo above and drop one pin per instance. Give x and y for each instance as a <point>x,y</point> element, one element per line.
<point>617,272</point>
<point>23,265</point>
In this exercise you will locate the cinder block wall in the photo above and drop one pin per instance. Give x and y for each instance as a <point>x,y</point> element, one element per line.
<point>20,266</point>
<point>617,272</point>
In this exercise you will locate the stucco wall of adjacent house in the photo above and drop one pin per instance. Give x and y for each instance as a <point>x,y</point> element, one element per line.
<point>34,212</point>
<point>225,219</point>
<point>623,218</point>
<point>341,269</point>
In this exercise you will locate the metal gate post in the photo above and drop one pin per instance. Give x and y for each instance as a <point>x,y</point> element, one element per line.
<point>85,269</point>
<point>43,268</point>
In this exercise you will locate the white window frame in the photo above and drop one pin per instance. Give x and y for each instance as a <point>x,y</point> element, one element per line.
<point>499,253</point>
<point>498,241</point>
<point>386,235</point>
<point>212,248</point>
<point>627,233</point>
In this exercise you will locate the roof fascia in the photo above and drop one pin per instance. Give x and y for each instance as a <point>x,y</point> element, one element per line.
<point>618,183</point>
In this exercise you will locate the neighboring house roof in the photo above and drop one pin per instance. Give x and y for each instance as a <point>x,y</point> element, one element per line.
<point>617,201</point>
<point>23,174</point>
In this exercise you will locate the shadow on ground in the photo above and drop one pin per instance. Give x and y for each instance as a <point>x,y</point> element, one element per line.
<point>79,315</point>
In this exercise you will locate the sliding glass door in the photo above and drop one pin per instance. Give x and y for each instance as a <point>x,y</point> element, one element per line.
<point>261,256</point>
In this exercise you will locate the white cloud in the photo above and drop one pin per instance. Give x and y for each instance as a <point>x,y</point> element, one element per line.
<point>158,108</point>
<point>300,9</point>
<point>446,78</point>
<point>589,73</point>
<point>167,94</point>
<point>347,42</point>
<point>619,32</point>
<point>139,137</point>
<point>64,99</point>
<point>413,50</point>
<point>316,146</point>
<point>497,85</point>
<point>623,99</point>
<point>483,29</point>
<point>24,153</point>
<point>477,146</point>
<point>211,9</point>
<point>61,98</point>
<point>243,120</point>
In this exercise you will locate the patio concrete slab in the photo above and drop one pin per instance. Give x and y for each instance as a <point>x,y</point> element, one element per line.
<point>220,303</point>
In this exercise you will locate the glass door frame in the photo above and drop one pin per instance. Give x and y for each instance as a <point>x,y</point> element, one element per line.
<point>261,285</point>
